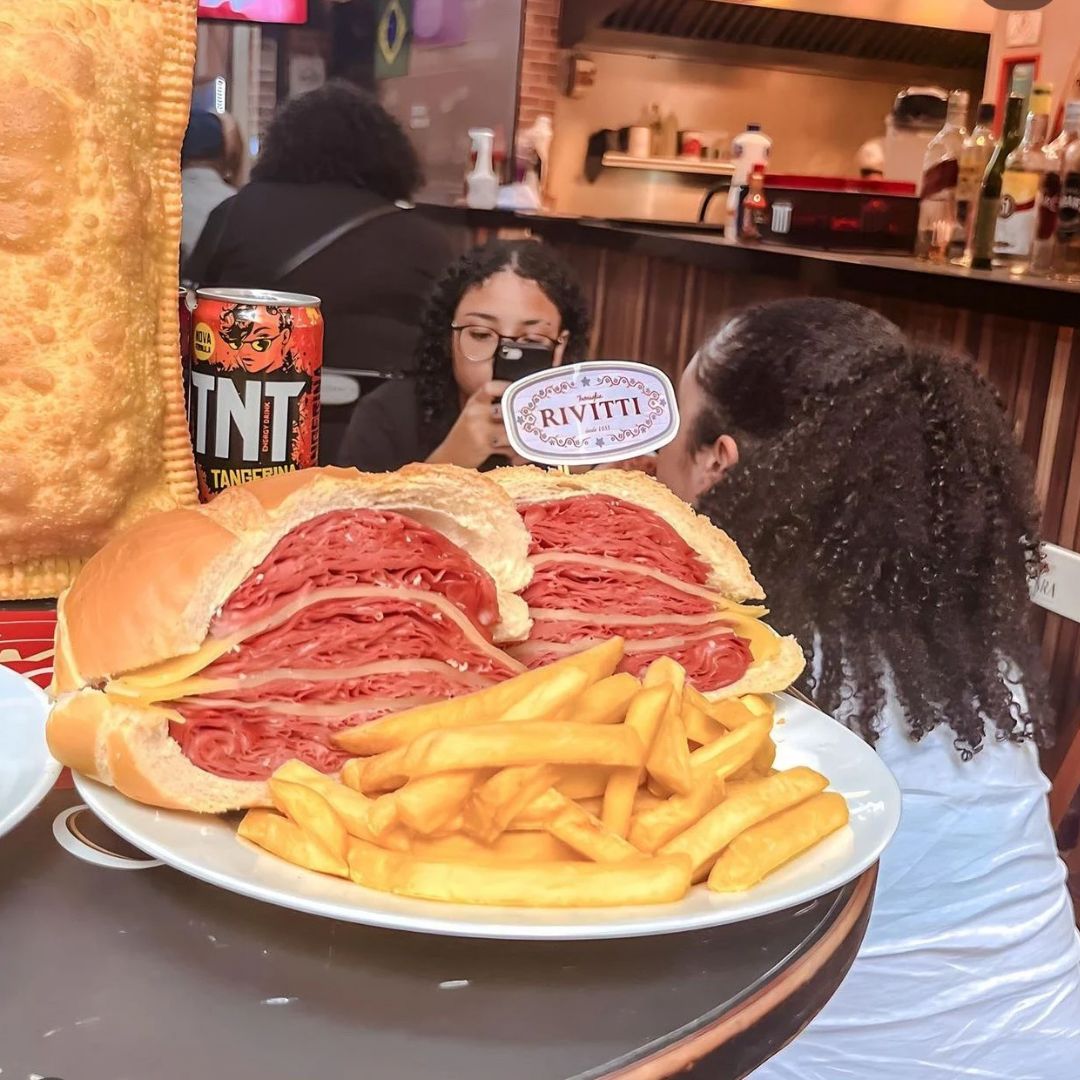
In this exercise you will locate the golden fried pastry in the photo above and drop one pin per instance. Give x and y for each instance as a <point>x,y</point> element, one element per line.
<point>92,428</point>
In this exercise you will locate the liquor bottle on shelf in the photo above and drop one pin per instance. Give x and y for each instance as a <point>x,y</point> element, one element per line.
<point>754,210</point>
<point>941,174</point>
<point>1042,251</point>
<point>1066,259</point>
<point>1024,170</point>
<point>982,241</point>
<point>974,157</point>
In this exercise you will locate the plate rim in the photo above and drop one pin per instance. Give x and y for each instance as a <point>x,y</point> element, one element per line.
<point>93,792</point>
<point>51,768</point>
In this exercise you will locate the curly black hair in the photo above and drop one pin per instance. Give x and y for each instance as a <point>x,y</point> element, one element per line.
<point>340,133</point>
<point>887,511</point>
<point>529,259</point>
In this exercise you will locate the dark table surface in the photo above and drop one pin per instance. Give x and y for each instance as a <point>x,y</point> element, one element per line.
<point>133,974</point>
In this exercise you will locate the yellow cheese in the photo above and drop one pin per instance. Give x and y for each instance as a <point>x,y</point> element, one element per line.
<point>764,644</point>
<point>171,678</point>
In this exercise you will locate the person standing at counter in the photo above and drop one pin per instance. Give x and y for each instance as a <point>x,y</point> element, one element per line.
<point>210,164</point>
<point>320,217</point>
<point>878,492</point>
<point>448,413</point>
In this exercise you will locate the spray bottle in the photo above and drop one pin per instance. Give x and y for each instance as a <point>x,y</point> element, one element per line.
<point>481,184</point>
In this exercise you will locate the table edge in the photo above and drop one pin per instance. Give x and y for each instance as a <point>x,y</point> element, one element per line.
<point>681,1055</point>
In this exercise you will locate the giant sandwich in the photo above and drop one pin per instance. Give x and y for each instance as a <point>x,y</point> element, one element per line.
<point>202,648</point>
<point>616,552</point>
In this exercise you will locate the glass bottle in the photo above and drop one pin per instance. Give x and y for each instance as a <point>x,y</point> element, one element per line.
<point>753,214</point>
<point>1066,260</point>
<point>974,157</point>
<point>941,173</point>
<point>1042,251</point>
<point>1024,170</point>
<point>982,241</point>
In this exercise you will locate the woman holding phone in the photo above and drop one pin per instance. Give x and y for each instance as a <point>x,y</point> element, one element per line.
<point>501,309</point>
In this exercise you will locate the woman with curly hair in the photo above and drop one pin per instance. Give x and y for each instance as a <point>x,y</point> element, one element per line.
<point>320,216</point>
<point>878,493</point>
<point>518,291</point>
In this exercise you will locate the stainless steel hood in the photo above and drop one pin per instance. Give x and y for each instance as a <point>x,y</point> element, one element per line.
<point>716,22</point>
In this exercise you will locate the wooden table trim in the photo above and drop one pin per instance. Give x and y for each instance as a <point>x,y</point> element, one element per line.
<point>692,1048</point>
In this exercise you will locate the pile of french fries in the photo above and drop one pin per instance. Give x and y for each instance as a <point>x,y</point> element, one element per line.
<point>567,786</point>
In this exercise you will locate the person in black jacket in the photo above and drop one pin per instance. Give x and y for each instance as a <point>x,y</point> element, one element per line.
<point>332,157</point>
<point>448,413</point>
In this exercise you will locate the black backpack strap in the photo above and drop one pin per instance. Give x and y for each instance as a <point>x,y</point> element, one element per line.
<point>332,237</point>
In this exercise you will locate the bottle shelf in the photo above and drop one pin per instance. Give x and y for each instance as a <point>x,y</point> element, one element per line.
<point>693,166</point>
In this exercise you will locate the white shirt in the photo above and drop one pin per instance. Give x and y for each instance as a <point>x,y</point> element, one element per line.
<point>971,963</point>
<point>202,189</point>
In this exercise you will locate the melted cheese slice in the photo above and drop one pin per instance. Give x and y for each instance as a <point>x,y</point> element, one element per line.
<point>159,682</point>
<point>764,643</point>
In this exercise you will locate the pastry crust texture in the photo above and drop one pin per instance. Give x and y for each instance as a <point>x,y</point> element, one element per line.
<point>93,433</point>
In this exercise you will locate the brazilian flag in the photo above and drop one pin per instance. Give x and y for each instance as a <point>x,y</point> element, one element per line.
<point>393,38</point>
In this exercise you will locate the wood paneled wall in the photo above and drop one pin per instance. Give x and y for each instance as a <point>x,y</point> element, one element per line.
<point>657,310</point>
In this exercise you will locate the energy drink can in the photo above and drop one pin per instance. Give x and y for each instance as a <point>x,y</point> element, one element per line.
<point>187,299</point>
<point>253,398</point>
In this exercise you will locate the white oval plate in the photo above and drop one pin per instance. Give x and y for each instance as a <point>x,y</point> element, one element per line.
<point>207,848</point>
<point>27,769</point>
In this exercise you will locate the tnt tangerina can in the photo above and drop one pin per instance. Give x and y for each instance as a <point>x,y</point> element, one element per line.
<point>253,394</point>
<point>187,302</point>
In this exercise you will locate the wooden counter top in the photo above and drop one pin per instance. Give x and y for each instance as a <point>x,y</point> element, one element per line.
<point>900,276</point>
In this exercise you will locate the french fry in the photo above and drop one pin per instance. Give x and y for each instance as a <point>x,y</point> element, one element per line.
<point>308,809</point>
<point>529,847</point>
<point>586,834</point>
<point>643,717</point>
<point>493,805</point>
<point>554,884</point>
<point>500,745</point>
<point>665,670</point>
<point>768,845</point>
<point>758,705</point>
<point>652,828</point>
<point>284,838</point>
<point>764,757</point>
<point>482,707</point>
<point>605,702</point>
<point>668,762</point>
<point>353,808</point>
<point>350,773</point>
<point>582,781</point>
<point>728,754</point>
<point>428,803</point>
<point>553,695</point>
<point>705,839</point>
<point>697,699</point>
<point>730,713</point>
<point>701,728</point>
<point>383,816</point>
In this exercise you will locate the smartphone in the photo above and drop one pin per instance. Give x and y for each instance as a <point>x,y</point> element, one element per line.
<point>514,361</point>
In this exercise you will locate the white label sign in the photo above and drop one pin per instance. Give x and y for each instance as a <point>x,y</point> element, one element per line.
<point>590,414</point>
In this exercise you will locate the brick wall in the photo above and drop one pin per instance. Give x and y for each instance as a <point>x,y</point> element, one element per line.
<point>539,61</point>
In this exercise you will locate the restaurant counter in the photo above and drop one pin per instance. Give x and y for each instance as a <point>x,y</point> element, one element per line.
<point>656,289</point>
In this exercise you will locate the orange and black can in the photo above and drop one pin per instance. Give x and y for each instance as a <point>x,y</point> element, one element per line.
<point>187,301</point>
<point>253,386</point>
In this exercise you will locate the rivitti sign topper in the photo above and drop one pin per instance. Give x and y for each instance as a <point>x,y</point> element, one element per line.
<point>1017,5</point>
